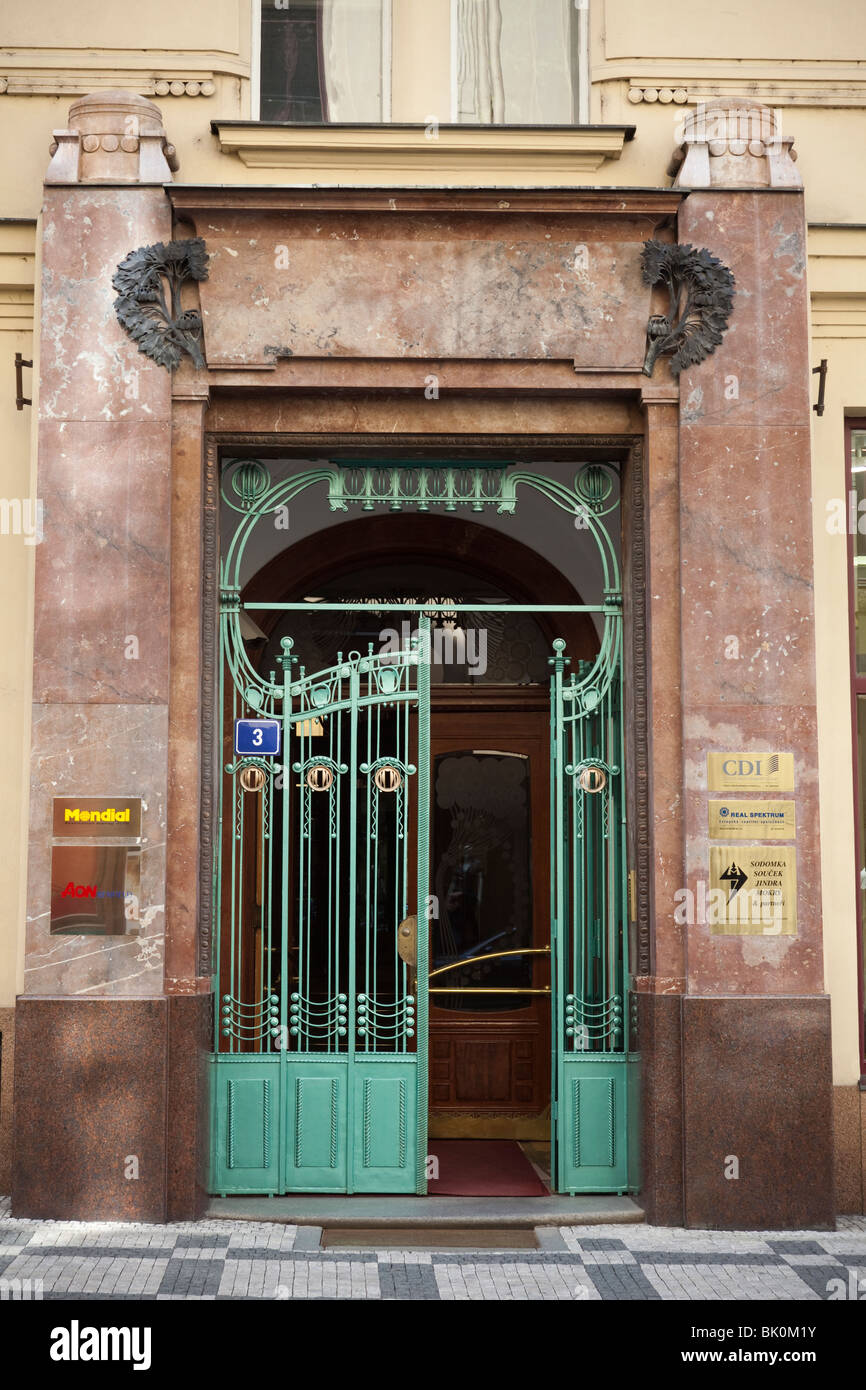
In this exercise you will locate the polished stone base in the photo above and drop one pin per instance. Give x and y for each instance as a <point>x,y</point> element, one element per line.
<point>111,1117</point>
<point>7,1056</point>
<point>660,1041</point>
<point>739,1086</point>
<point>758,1113</point>
<point>849,1120</point>
<point>110,1108</point>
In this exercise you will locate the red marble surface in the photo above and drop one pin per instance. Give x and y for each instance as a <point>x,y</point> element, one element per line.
<point>746,558</point>
<point>102,572</point>
<point>102,577</point>
<point>401,285</point>
<point>665,682</point>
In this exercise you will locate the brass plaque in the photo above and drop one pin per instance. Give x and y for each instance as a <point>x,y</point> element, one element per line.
<point>752,820</point>
<point>309,728</point>
<point>750,772</point>
<point>753,890</point>
<point>89,890</point>
<point>97,817</point>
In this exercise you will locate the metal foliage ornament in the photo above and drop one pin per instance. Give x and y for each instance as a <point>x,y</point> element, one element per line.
<point>160,326</point>
<point>701,291</point>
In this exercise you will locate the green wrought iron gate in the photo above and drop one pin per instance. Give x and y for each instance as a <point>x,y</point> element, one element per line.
<point>322,1088</point>
<point>589,1139</point>
<point>319,1068</point>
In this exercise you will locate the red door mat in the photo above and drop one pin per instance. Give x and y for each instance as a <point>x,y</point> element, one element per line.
<point>482,1168</point>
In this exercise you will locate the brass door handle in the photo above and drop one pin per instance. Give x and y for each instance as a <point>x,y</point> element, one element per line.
<point>407,940</point>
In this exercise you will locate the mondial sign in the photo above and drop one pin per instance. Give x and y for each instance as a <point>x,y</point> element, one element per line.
<point>97,817</point>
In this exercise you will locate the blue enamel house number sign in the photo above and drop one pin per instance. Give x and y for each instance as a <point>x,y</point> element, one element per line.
<point>257,736</point>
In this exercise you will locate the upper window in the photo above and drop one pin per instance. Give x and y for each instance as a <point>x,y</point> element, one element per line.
<point>490,62</point>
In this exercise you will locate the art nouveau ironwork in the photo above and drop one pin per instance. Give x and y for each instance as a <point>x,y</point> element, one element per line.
<point>322,877</point>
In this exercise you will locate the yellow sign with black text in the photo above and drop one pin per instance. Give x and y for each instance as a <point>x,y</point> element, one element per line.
<point>753,890</point>
<point>752,820</point>
<point>750,772</point>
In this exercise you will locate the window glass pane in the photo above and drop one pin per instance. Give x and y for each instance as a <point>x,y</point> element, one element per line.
<point>482,878</point>
<point>322,60</point>
<point>516,62</point>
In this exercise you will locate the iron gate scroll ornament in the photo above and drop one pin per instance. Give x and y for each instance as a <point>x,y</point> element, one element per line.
<point>162,329</point>
<point>701,296</point>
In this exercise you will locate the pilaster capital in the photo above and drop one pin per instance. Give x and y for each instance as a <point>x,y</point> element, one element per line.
<point>112,137</point>
<point>733,144</point>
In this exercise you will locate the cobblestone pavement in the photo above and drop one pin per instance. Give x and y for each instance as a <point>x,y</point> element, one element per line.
<point>260,1260</point>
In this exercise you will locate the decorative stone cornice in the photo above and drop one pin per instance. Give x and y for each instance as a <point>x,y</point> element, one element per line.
<point>400,155</point>
<point>112,137</point>
<point>734,143</point>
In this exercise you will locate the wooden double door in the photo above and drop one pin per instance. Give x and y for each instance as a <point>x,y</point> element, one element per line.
<point>490,1031</point>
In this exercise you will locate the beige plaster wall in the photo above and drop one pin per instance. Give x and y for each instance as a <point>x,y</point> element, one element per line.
<point>17,270</point>
<point>837,273</point>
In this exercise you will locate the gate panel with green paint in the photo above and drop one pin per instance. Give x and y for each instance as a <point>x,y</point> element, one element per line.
<point>588,890</point>
<point>336,1089</point>
<point>319,1070</point>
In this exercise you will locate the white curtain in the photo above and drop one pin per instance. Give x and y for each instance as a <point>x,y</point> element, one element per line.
<point>352,48</point>
<point>516,62</point>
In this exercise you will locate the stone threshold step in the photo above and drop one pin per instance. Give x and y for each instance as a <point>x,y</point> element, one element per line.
<point>420,1212</point>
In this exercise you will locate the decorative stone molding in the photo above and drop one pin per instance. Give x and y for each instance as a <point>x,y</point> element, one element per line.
<point>40,84</point>
<point>112,137</point>
<point>734,143</point>
<point>819,83</point>
<point>162,329</point>
<point>183,87</point>
<point>701,296</point>
<point>663,94</point>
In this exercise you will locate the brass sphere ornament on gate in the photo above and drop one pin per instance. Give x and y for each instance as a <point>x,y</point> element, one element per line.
<point>320,778</point>
<point>592,779</point>
<point>387,778</point>
<point>252,779</point>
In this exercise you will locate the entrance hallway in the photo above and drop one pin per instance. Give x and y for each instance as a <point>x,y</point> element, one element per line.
<point>487,1168</point>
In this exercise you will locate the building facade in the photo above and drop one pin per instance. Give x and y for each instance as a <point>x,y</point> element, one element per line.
<point>432,541</point>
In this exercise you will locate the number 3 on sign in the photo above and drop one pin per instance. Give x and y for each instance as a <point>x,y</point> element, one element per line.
<point>257,736</point>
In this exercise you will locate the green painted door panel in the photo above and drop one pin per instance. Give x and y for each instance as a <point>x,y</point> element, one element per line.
<point>246,1120</point>
<point>386,1124</point>
<point>593,1150</point>
<point>316,1125</point>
